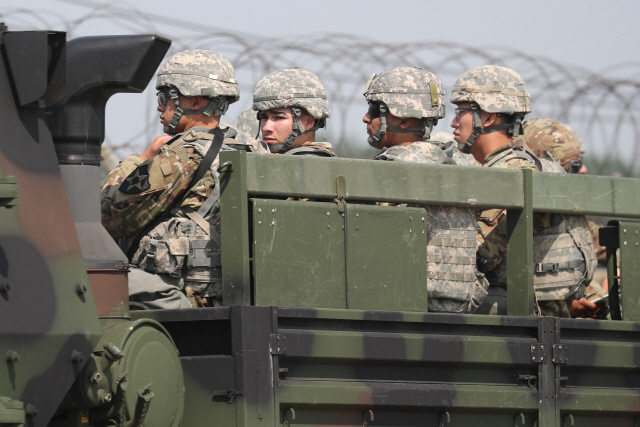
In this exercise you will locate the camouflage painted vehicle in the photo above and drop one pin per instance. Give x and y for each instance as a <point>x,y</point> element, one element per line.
<point>324,318</point>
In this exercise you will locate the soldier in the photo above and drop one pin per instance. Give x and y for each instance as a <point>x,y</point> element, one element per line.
<point>291,106</point>
<point>162,205</point>
<point>248,125</point>
<point>404,105</point>
<point>492,101</point>
<point>544,134</point>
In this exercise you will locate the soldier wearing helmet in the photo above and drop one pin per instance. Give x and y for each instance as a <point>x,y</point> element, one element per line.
<point>404,105</point>
<point>162,205</point>
<point>492,101</point>
<point>292,105</point>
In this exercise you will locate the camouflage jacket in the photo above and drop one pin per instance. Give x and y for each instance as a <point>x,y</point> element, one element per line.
<point>319,149</point>
<point>453,283</point>
<point>558,239</point>
<point>152,185</point>
<point>417,152</point>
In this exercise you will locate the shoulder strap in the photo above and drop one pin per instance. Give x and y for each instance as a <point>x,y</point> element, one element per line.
<point>212,153</point>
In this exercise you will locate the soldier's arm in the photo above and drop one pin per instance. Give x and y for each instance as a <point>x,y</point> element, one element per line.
<point>139,190</point>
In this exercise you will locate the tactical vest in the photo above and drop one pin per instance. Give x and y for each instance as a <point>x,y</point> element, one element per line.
<point>564,256</point>
<point>187,245</point>
<point>452,282</point>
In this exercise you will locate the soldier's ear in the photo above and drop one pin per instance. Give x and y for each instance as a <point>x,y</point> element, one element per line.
<point>197,102</point>
<point>408,122</point>
<point>490,119</point>
<point>307,120</point>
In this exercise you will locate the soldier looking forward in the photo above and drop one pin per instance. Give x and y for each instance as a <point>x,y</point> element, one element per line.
<point>492,101</point>
<point>162,205</point>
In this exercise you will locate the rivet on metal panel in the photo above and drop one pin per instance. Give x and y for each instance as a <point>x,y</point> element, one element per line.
<point>81,288</point>
<point>328,213</point>
<point>273,222</point>
<point>259,222</point>
<point>357,215</point>
<point>356,228</point>
<point>343,227</point>
<point>422,219</point>
<point>410,218</point>
<point>472,201</point>
<point>422,231</point>
<point>259,210</point>
<point>328,226</point>
<point>12,356</point>
<point>410,231</point>
<point>273,210</point>
<point>625,230</point>
<point>625,242</point>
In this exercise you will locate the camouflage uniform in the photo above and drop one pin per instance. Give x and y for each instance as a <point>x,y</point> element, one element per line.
<point>169,258</point>
<point>453,283</point>
<point>560,259</point>
<point>544,135</point>
<point>299,90</point>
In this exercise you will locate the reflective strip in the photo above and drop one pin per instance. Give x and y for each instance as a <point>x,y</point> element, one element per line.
<point>195,73</point>
<point>480,90</point>
<point>404,90</point>
<point>288,96</point>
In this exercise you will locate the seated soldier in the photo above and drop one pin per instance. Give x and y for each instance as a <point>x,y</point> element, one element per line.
<point>404,105</point>
<point>162,206</point>
<point>492,101</point>
<point>291,106</point>
<point>545,136</point>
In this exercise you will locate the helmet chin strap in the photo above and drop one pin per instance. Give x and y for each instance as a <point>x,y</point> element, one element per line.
<point>216,105</point>
<point>423,129</point>
<point>514,127</point>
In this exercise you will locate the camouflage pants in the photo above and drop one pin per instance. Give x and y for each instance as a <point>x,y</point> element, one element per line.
<point>157,290</point>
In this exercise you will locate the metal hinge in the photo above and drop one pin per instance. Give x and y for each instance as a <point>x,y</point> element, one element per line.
<point>277,344</point>
<point>538,353</point>
<point>529,379</point>
<point>560,353</point>
<point>227,394</point>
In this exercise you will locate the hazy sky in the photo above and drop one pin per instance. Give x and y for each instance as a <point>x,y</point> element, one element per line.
<point>593,34</point>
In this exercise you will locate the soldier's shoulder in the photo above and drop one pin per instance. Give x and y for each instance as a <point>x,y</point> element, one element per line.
<point>319,149</point>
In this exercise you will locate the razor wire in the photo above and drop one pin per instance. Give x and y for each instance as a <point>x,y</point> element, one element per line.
<point>600,106</point>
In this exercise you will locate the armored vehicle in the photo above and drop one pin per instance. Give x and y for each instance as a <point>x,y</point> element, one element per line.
<point>324,317</point>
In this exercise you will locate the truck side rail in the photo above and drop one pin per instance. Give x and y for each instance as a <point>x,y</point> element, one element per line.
<point>248,177</point>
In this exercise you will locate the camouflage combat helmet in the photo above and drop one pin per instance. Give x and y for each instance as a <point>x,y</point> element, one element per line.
<point>543,134</point>
<point>406,92</point>
<point>494,89</point>
<point>198,72</point>
<point>577,136</point>
<point>297,89</point>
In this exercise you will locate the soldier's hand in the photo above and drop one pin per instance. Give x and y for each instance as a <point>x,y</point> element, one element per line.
<point>587,310</point>
<point>155,146</point>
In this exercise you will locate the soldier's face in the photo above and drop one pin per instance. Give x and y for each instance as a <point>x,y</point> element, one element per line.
<point>277,124</point>
<point>462,123</point>
<point>372,120</point>
<point>167,111</point>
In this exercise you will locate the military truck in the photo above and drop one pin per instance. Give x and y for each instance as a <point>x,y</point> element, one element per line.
<point>324,318</point>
